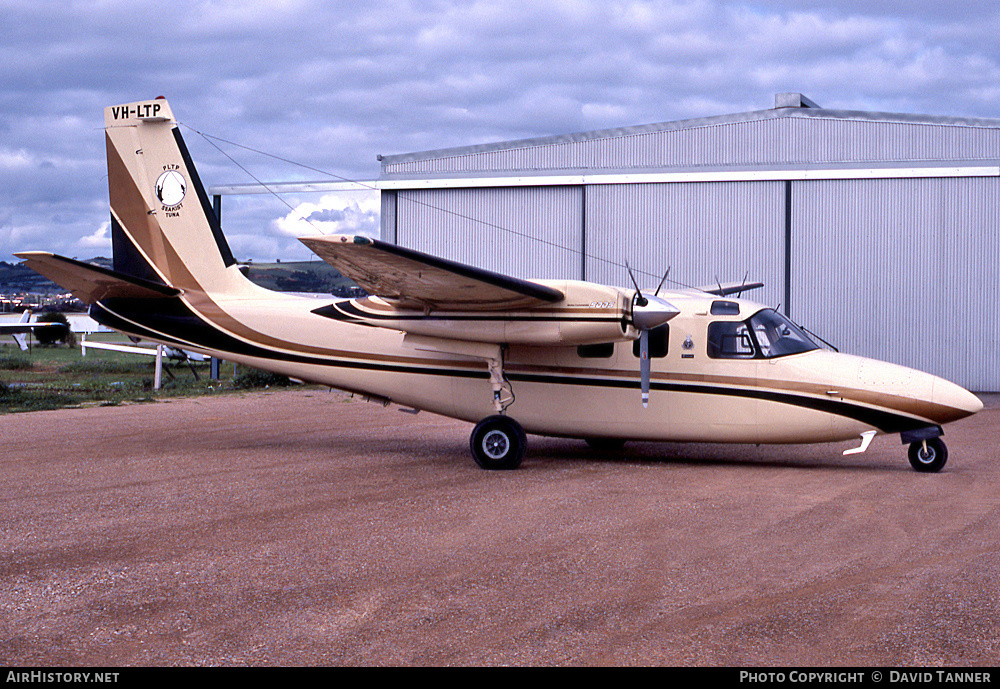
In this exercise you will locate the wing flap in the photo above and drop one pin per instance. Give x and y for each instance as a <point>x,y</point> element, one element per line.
<point>90,283</point>
<point>415,279</point>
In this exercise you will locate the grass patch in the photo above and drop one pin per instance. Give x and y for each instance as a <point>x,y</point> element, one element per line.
<point>104,366</point>
<point>56,377</point>
<point>254,378</point>
<point>14,362</point>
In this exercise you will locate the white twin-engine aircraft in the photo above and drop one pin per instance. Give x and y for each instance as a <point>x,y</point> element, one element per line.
<point>559,358</point>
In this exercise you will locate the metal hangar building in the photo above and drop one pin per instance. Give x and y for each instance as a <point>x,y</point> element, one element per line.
<point>879,232</point>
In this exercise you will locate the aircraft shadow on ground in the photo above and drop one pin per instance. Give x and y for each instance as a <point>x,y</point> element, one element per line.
<point>813,457</point>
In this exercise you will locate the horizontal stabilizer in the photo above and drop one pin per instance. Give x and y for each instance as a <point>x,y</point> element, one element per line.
<point>90,283</point>
<point>418,279</point>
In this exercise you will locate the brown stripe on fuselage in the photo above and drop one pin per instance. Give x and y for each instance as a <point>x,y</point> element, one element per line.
<point>209,309</point>
<point>206,307</point>
<point>923,409</point>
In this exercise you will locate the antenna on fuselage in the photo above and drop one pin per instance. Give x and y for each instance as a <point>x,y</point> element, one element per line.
<point>742,284</point>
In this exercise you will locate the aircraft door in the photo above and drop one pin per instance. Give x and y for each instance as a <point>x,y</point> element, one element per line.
<point>717,380</point>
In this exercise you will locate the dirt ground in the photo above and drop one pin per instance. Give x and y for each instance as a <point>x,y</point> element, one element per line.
<point>307,528</point>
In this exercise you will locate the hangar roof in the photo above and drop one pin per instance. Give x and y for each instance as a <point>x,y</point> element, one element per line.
<point>795,140</point>
<point>795,133</point>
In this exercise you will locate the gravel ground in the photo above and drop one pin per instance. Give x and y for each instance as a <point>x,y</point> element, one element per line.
<point>307,528</point>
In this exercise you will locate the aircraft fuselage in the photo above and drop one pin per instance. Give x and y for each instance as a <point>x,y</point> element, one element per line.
<point>589,391</point>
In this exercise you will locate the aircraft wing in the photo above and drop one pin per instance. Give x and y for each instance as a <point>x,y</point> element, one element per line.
<point>22,328</point>
<point>414,278</point>
<point>90,283</point>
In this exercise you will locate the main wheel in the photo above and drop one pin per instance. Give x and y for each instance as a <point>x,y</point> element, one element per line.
<point>498,442</point>
<point>929,459</point>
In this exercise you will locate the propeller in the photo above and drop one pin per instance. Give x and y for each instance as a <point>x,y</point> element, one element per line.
<point>648,313</point>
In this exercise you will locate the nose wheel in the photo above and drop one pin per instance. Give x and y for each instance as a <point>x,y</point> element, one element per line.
<point>928,455</point>
<point>498,442</point>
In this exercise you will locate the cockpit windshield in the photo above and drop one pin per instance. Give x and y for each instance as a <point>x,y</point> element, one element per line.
<point>778,336</point>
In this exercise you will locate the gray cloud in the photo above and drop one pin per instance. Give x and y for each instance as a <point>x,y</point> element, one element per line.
<point>331,85</point>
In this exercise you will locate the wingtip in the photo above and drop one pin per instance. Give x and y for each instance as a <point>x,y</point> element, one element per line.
<point>336,239</point>
<point>25,255</point>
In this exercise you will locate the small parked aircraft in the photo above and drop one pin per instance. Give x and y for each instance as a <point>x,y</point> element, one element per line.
<point>22,328</point>
<point>559,358</point>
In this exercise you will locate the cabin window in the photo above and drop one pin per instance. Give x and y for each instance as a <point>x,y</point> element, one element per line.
<point>725,308</point>
<point>729,340</point>
<point>603,350</point>
<point>658,338</point>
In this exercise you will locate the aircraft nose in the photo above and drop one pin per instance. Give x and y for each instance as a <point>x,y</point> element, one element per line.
<point>955,401</point>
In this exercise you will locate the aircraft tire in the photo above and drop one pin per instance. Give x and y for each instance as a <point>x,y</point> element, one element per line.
<point>932,460</point>
<point>498,443</point>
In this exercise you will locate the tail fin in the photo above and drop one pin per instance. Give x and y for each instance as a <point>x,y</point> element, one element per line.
<point>22,338</point>
<point>163,228</point>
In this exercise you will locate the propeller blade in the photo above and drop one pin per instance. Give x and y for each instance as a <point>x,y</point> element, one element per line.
<point>639,299</point>
<point>644,366</point>
<point>660,286</point>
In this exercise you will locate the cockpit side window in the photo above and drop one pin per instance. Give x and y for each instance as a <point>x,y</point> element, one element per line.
<point>730,340</point>
<point>766,335</point>
<point>777,336</point>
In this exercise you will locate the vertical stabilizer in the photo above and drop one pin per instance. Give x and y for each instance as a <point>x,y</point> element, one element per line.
<point>162,224</point>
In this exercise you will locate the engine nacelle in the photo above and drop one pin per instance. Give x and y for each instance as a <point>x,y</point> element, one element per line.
<point>588,314</point>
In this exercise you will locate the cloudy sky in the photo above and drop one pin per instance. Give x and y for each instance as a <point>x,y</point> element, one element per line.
<point>330,85</point>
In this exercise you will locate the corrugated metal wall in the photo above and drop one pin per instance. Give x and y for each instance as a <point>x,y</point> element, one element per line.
<point>387,216</point>
<point>701,231</point>
<point>903,270</point>
<point>527,232</point>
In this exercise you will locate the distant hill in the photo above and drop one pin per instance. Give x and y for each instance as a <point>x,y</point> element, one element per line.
<point>15,278</point>
<point>301,276</point>
<point>294,276</point>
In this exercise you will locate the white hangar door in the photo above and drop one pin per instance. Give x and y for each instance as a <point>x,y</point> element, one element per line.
<point>527,232</point>
<point>904,270</point>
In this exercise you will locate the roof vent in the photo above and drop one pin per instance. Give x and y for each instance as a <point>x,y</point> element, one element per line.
<point>792,100</point>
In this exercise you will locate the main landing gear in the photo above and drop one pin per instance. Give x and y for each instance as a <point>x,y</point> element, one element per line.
<point>498,442</point>
<point>928,455</point>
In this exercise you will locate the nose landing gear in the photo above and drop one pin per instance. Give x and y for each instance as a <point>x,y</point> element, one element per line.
<point>928,455</point>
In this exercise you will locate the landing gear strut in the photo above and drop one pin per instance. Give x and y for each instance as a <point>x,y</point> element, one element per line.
<point>498,442</point>
<point>928,455</point>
